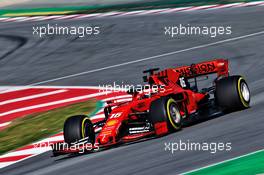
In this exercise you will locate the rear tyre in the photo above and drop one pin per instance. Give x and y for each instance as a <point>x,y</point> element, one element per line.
<point>78,127</point>
<point>166,110</point>
<point>232,93</point>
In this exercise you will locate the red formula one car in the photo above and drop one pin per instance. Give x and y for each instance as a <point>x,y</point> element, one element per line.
<point>175,100</point>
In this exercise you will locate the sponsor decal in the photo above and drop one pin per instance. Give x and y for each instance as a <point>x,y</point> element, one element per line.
<point>196,69</point>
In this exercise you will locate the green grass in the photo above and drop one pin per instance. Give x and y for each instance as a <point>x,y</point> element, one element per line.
<point>247,165</point>
<point>31,128</point>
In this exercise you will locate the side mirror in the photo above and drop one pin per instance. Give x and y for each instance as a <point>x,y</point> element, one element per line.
<point>145,78</point>
<point>151,71</point>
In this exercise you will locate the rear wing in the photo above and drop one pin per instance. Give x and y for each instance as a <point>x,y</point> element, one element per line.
<point>218,66</point>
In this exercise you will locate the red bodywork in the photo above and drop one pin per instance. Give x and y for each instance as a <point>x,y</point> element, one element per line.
<point>169,79</point>
<point>169,85</point>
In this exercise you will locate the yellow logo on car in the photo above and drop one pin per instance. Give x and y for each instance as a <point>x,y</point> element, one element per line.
<point>112,122</point>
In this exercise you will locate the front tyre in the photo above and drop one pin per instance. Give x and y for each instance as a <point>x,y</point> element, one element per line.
<point>77,128</point>
<point>166,110</point>
<point>174,115</point>
<point>232,93</point>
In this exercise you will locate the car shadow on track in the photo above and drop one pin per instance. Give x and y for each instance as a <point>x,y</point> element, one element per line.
<point>186,124</point>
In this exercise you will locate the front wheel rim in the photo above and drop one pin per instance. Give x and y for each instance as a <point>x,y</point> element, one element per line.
<point>245,91</point>
<point>175,114</point>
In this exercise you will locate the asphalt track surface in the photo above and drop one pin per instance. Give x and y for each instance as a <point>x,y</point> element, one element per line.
<point>26,59</point>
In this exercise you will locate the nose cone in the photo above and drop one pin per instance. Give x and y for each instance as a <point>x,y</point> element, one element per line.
<point>104,140</point>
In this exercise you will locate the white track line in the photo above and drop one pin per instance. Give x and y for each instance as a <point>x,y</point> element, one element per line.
<point>6,89</point>
<point>132,13</point>
<point>123,100</point>
<point>32,97</point>
<point>149,58</point>
<point>221,6</point>
<point>255,3</point>
<point>3,19</point>
<point>199,8</point>
<point>5,164</point>
<point>151,11</point>
<point>88,15</point>
<point>173,10</point>
<point>4,124</point>
<point>228,160</point>
<point>48,17</point>
<point>53,103</point>
<point>42,148</point>
<point>15,19</point>
<point>31,18</point>
<point>67,17</point>
<point>109,14</point>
